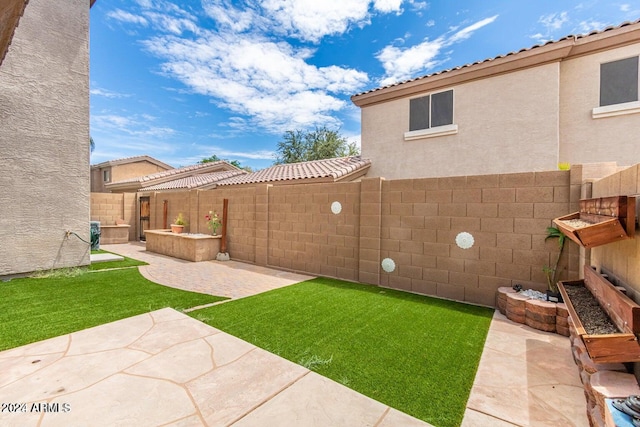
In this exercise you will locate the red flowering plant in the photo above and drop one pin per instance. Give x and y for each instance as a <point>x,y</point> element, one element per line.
<point>213,222</point>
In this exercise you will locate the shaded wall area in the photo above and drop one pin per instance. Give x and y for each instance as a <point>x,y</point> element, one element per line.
<point>414,222</point>
<point>44,139</point>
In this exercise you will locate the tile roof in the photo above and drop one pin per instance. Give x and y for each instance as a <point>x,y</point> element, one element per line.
<point>327,169</point>
<point>568,37</point>
<point>185,170</point>
<point>134,159</point>
<point>194,181</point>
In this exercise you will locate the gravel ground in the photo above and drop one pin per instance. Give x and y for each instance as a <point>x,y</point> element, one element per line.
<point>594,319</point>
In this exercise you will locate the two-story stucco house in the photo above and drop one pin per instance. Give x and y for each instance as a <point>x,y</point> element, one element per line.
<point>111,171</point>
<point>44,134</point>
<point>574,100</point>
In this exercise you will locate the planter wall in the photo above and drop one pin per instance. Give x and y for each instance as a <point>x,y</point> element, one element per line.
<point>190,247</point>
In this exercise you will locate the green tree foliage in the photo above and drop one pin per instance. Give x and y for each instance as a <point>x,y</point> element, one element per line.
<point>320,143</point>
<point>92,144</point>
<point>214,158</point>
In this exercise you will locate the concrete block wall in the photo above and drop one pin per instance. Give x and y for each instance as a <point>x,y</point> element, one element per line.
<point>413,221</point>
<point>305,235</point>
<point>109,207</point>
<point>507,215</point>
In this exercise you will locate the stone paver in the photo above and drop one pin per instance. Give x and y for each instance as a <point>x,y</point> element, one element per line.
<point>165,368</point>
<point>526,377</point>
<point>223,278</point>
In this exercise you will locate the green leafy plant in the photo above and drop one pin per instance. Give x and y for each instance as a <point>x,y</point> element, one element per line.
<point>180,220</point>
<point>552,273</point>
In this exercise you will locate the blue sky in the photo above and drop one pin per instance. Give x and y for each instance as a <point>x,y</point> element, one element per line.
<point>182,80</point>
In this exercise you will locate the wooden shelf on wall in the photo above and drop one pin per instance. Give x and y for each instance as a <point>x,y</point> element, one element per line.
<point>600,221</point>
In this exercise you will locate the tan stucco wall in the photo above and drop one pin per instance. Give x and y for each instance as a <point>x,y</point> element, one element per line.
<point>507,123</point>
<point>133,170</point>
<point>44,135</point>
<point>588,140</point>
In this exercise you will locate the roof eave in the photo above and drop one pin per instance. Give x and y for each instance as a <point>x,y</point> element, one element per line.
<point>358,173</point>
<point>553,52</point>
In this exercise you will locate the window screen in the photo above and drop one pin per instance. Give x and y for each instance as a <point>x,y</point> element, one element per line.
<point>442,108</point>
<point>419,113</point>
<point>431,111</point>
<point>619,81</point>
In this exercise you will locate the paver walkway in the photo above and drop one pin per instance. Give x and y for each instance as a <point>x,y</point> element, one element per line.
<point>164,368</point>
<point>222,278</point>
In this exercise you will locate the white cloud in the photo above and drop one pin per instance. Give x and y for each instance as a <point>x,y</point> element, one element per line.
<point>552,23</point>
<point>403,63</point>
<point>107,93</point>
<point>122,16</point>
<point>255,77</point>
<point>588,26</point>
<point>135,125</point>
<point>245,69</point>
<point>171,24</point>
<point>625,8</point>
<point>307,20</point>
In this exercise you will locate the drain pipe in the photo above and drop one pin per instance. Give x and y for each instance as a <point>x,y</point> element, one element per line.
<point>223,255</point>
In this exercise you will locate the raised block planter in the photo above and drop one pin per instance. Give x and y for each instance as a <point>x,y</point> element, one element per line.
<point>190,247</point>
<point>113,234</point>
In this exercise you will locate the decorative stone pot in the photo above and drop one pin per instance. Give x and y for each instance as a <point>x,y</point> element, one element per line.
<point>177,228</point>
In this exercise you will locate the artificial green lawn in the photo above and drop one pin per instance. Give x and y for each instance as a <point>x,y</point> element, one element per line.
<point>414,353</point>
<point>33,309</point>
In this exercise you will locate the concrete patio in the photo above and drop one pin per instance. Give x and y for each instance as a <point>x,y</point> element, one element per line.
<point>165,368</point>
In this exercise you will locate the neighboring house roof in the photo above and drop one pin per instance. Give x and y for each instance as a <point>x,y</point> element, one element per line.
<point>128,160</point>
<point>201,181</point>
<point>327,170</point>
<point>135,184</point>
<point>10,13</point>
<point>551,51</point>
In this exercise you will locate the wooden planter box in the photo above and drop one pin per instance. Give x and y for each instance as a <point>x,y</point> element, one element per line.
<point>604,220</point>
<point>619,347</point>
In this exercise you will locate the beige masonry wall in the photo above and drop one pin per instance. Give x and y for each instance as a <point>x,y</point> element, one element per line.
<point>621,260</point>
<point>109,207</point>
<point>584,139</point>
<point>414,222</point>
<point>507,123</point>
<point>44,139</point>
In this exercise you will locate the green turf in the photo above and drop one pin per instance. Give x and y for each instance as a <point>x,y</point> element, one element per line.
<point>32,309</point>
<point>414,353</point>
<point>126,262</point>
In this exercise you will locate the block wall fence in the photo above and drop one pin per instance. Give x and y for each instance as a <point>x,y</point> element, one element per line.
<point>412,221</point>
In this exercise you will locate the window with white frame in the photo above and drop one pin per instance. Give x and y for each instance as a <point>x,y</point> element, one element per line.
<point>431,115</point>
<point>106,175</point>
<point>618,88</point>
<point>619,81</point>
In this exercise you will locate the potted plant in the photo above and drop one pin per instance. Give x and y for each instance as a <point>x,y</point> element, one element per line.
<point>552,273</point>
<point>213,222</point>
<point>178,224</point>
